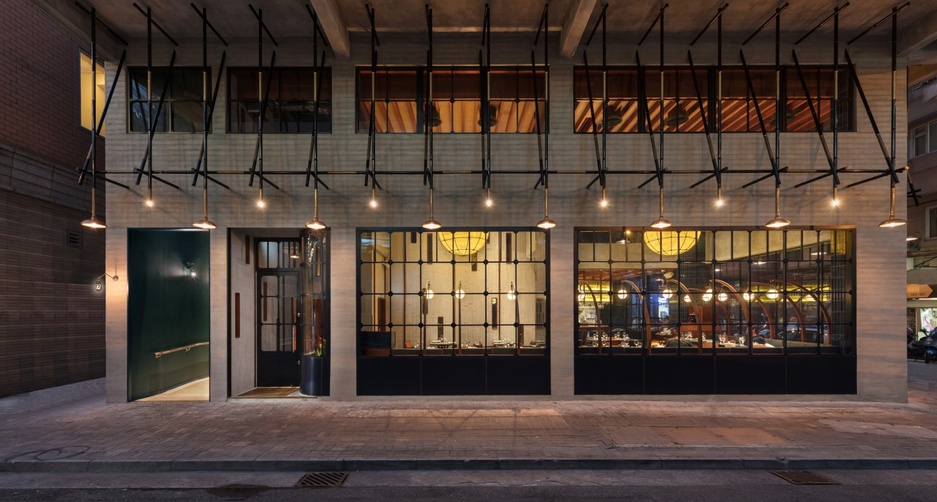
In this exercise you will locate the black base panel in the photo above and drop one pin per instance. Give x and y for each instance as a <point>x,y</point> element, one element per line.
<point>750,375</point>
<point>609,375</point>
<point>388,376</point>
<point>453,376</point>
<point>518,375</point>
<point>679,375</point>
<point>821,375</point>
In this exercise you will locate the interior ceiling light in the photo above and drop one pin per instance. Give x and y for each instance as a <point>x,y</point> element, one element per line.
<point>670,243</point>
<point>892,221</point>
<point>677,116</point>
<point>615,117</point>
<point>463,243</point>
<point>777,221</point>
<point>492,116</point>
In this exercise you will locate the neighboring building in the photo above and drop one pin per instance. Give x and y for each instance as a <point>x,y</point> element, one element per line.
<point>51,317</point>
<point>601,305</point>
<point>922,211</point>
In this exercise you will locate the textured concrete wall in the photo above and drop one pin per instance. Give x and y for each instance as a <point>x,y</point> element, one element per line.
<point>459,198</point>
<point>51,319</point>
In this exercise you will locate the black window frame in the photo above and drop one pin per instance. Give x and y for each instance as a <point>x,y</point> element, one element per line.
<point>167,114</point>
<point>275,104</point>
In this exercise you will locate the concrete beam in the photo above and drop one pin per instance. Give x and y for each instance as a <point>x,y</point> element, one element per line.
<point>917,36</point>
<point>78,22</point>
<point>333,26</point>
<point>575,26</point>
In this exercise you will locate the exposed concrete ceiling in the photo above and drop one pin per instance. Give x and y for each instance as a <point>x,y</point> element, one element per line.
<point>627,20</point>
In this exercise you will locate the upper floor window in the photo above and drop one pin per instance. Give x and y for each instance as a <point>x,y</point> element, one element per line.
<point>686,98</point>
<point>931,223</point>
<point>182,105</point>
<point>924,139</point>
<point>401,95</point>
<point>91,87</point>
<point>291,102</point>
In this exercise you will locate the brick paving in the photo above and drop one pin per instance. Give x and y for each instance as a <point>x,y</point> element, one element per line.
<point>73,429</point>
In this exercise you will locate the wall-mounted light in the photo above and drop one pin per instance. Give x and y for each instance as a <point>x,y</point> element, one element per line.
<point>190,269</point>
<point>429,292</point>
<point>460,293</point>
<point>99,282</point>
<point>512,295</point>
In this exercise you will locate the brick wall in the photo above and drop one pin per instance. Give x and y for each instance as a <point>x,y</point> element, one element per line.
<point>51,319</point>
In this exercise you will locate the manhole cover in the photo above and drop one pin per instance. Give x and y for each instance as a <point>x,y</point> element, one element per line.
<point>803,478</point>
<point>322,479</point>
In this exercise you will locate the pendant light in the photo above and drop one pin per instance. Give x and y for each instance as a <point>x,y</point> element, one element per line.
<point>546,223</point>
<point>661,222</point>
<point>431,223</point>
<point>93,222</point>
<point>204,223</point>
<point>892,221</point>
<point>315,223</point>
<point>778,221</point>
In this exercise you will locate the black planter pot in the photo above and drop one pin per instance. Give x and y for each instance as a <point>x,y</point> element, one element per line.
<point>314,376</point>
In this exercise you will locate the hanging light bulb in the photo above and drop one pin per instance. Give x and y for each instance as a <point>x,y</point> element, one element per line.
<point>204,223</point>
<point>772,294</point>
<point>778,221</point>
<point>666,293</point>
<point>488,201</point>
<point>835,201</point>
<point>373,202</point>
<point>622,293</point>
<point>604,202</point>
<point>892,221</point>
<point>661,222</point>
<point>429,292</point>
<point>512,295</point>
<point>708,295</point>
<point>687,299</point>
<point>260,200</point>
<point>719,201</point>
<point>722,297</point>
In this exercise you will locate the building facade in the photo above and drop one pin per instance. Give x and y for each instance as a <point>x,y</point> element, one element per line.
<point>602,305</point>
<point>51,319</point>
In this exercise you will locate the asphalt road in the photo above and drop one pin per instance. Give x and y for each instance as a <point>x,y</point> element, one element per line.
<point>682,486</point>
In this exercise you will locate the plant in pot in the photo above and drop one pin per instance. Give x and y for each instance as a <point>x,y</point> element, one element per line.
<point>315,370</point>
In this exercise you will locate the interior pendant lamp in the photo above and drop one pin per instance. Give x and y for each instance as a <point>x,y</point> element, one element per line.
<point>892,221</point>
<point>777,221</point>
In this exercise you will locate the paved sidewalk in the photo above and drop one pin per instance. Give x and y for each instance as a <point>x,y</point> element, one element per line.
<point>72,429</point>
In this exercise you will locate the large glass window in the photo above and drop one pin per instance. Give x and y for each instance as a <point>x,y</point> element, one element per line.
<point>400,96</point>
<point>471,292</point>
<point>182,106</point>
<point>725,292</point>
<point>625,88</point>
<point>924,139</point>
<point>290,100</point>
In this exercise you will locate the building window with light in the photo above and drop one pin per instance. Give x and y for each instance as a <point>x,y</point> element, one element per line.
<point>690,99</point>
<point>473,294</point>
<point>401,97</point>
<point>683,297</point>
<point>289,99</point>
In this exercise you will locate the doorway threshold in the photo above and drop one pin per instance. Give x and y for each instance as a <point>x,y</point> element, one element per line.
<point>272,393</point>
<point>196,390</point>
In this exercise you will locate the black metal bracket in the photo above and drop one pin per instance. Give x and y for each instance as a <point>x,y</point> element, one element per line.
<point>312,166</point>
<point>147,157</point>
<point>601,157</point>
<point>370,164</point>
<point>543,137</point>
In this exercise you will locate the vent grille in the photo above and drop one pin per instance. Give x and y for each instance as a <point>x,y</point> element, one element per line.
<point>322,480</point>
<point>804,478</point>
<point>73,239</point>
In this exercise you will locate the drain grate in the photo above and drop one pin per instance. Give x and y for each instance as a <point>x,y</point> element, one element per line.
<point>322,480</point>
<point>803,478</point>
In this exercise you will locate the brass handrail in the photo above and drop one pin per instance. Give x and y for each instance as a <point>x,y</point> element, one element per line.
<point>179,349</point>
